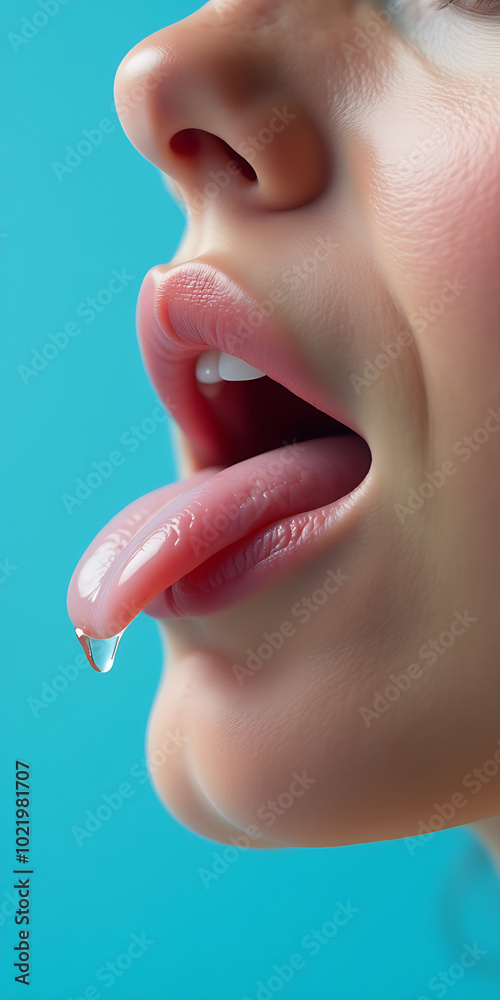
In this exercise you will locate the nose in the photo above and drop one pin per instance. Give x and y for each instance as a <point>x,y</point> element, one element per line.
<point>213,102</point>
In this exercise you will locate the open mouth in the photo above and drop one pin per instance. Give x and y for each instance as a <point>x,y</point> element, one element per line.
<point>252,414</point>
<point>276,468</point>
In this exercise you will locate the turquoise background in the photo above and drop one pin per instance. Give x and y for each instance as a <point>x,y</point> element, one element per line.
<point>139,872</point>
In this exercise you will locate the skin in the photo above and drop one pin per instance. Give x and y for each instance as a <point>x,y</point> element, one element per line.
<point>393,156</point>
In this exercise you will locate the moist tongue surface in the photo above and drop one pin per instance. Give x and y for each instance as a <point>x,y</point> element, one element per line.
<point>163,536</point>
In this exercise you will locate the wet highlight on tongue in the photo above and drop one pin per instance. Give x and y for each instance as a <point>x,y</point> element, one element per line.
<point>138,561</point>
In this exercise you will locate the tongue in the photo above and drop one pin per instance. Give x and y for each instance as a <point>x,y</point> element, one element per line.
<point>168,533</point>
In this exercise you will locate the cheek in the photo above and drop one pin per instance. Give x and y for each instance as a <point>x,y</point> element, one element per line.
<point>432,200</point>
<point>432,204</point>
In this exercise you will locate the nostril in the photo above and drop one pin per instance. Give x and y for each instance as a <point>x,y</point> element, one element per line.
<point>185,143</point>
<point>188,142</point>
<point>245,167</point>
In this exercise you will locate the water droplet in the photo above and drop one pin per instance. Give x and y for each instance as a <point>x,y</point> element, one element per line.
<point>99,652</point>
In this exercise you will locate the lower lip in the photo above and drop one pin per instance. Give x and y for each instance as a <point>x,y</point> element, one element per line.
<point>196,549</point>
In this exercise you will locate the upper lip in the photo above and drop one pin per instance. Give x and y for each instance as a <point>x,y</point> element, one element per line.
<point>187,308</point>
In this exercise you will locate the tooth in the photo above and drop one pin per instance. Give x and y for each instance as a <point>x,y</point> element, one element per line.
<point>234,370</point>
<point>207,367</point>
<point>216,366</point>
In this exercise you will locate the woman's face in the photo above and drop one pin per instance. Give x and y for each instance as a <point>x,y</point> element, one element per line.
<point>371,223</point>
